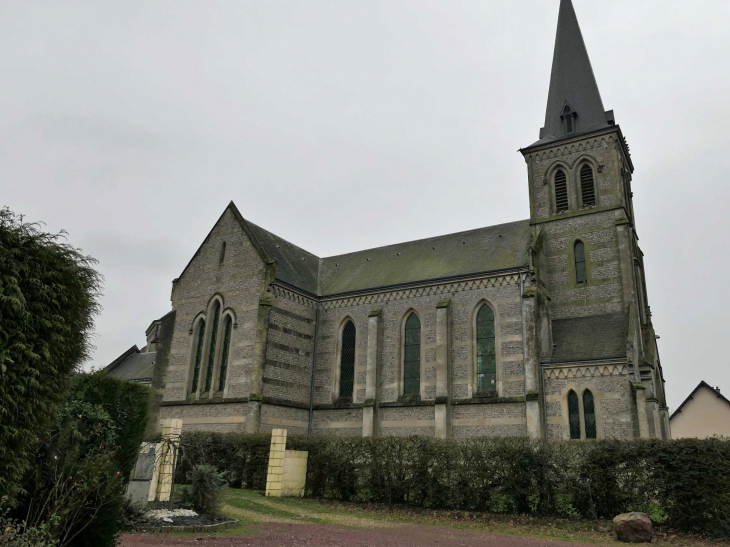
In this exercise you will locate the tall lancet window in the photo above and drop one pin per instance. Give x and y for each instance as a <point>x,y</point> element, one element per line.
<point>486,352</point>
<point>587,187</point>
<point>579,251</point>
<point>561,191</point>
<point>347,361</point>
<point>412,357</point>
<point>589,415</point>
<point>226,351</point>
<point>198,355</point>
<point>574,415</point>
<point>211,352</point>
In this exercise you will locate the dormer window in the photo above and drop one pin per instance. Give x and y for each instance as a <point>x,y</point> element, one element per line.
<point>568,116</point>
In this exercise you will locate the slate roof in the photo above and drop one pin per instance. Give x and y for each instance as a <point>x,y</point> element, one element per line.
<point>294,265</point>
<point>486,249</point>
<point>493,248</point>
<point>589,338</point>
<point>133,365</point>
<point>572,81</point>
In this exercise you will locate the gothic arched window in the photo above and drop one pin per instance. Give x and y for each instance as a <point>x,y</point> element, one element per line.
<point>486,351</point>
<point>347,360</point>
<point>211,349</point>
<point>226,351</point>
<point>579,253</point>
<point>412,356</point>
<point>589,415</point>
<point>574,415</point>
<point>198,354</point>
<point>561,191</point>
<point>587,186</point>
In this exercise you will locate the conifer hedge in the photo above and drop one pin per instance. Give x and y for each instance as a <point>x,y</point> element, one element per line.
<point>684,483</point>
<point>49,294</point>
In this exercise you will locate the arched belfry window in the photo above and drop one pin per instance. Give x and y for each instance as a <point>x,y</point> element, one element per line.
<point>574,415</point>
<point>486,351</point>
<point>347,360</point>
<point>587,186</point>
<point>589,415</point>
<point>412,356</point>
<point>226,350</point>
<point>579,253</point>
<point>211,349</point>
<point>198,354</point>
<point>561,191</point>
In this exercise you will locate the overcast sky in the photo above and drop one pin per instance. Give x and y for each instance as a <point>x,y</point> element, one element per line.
<point>342,125</point>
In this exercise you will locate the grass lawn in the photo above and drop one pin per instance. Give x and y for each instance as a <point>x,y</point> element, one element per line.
<point>252,508</point>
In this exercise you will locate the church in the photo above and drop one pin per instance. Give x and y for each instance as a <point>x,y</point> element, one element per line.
<point>538,328</point>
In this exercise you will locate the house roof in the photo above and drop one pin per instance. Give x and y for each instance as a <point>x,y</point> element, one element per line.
<point>572,83</point>
<point>694,391</point>
<point>133,365</point>
<point>589,338</point>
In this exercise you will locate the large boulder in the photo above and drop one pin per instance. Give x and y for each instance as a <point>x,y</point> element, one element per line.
<point>633,528</point>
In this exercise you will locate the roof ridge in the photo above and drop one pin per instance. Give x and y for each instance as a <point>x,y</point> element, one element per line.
<point>425,239</point>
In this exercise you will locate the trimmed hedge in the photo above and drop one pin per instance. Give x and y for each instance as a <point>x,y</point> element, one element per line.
<point>685,483</point>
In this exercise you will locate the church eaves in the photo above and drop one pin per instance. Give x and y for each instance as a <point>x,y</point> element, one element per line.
<point>574,103</point>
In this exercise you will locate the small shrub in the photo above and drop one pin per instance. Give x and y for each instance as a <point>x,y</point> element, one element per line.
<point>207,487</point>
<point>15,534</point>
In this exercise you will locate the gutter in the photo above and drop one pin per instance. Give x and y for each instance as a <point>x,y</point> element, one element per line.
<point>314,364</point>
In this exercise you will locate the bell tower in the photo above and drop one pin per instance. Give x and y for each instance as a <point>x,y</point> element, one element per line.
<point>588,260</point>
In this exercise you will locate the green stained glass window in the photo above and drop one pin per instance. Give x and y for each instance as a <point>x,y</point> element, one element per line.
<point>226,350</point>
<point>211,352</point>
<point>198,354</point>
<point>412,356</point>
<point>347,360</point>
<point>486,351</point>
<point>574,415</point>
<point>589,415</point>
<point>580,262</point>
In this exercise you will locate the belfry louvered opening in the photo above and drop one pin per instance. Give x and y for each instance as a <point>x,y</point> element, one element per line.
<point>587,186</point>
<point>561,191</point>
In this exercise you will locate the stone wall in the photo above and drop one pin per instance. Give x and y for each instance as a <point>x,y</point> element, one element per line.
<point>239,281</point>
<point>344,422</point>
<point>489,420</point>
<point>612,393</point>
<point>289,347</point>
<point>218,417</point>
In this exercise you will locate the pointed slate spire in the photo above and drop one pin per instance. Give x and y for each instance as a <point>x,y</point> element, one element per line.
<point>574,103</point>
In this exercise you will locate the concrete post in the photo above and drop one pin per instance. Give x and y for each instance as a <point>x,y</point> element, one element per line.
<point>531,355</point>
<point>253,421</point>
<point>441,412</point>
<point>640,391</point>
<point>369,425</point>
<point>171,430</point>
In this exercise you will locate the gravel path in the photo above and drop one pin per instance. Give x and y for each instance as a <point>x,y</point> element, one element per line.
<point>306,535</point>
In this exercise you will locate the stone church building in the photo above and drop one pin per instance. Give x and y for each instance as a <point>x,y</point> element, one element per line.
<point>539,327</point>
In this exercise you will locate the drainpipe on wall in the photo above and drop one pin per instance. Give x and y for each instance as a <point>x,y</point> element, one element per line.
<point>314,363</point>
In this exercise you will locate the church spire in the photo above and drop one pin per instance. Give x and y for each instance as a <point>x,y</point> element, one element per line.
<point>574,103</point>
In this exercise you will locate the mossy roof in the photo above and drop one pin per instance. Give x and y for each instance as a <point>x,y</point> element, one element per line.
<point>493,248</point>
<point>589,338</point>
<point>484,249</point>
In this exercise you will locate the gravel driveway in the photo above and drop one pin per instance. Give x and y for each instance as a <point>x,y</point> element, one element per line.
<point>305,535</point>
